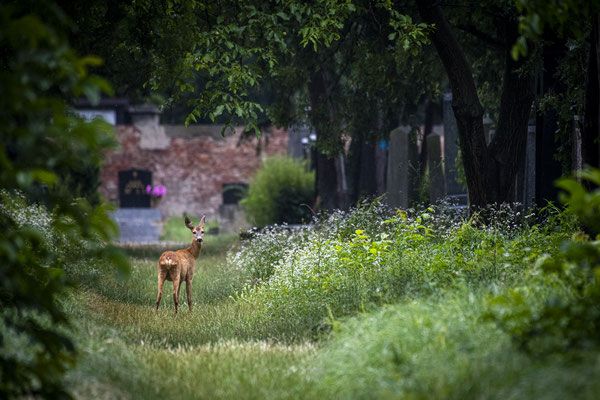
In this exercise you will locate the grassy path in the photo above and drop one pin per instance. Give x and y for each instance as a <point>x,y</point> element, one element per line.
<point>130,351</point>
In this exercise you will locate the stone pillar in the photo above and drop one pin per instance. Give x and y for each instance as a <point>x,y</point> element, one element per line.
<point>402,167</point>
<point>576,155</point>
<point>450,146</point>
<point>146,119</point>
<point>487,128</point>
<point>381,156</point>
<point>437,184</point>
<point>529,181</point>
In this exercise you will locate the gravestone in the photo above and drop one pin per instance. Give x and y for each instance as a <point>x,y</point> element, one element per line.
<point>132,188</point>
<point>437,184</point>
<point>453,188</point>
<point>298,141</point>
<point>231,216</point>
<point>381,156</point>
<point>402,171</point>
<point>233,192</point>
<point>138,225</point>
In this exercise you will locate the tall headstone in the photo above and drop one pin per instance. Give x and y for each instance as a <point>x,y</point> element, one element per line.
<point>402,167</point>
<point>529,184</point>
<point>381,156</point>
<point>437,184</point>
<point>232,218</point>
<point>298,142</point>
<point>576,155</point>
<point>454,189</point>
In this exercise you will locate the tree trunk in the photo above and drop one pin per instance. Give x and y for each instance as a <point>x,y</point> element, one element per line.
<point>331,185</point>
<point>591,123</point>
<point>362,170</point>
<point>547,168</point>
<point>490,172</point>
<point>508,145</point>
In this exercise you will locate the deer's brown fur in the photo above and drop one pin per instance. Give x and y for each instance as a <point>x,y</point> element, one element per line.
<point>178,266</point>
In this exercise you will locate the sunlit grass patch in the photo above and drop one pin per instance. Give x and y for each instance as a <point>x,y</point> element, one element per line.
<point>213,281</point>
<point>206,323</point>
<point>222,370</point>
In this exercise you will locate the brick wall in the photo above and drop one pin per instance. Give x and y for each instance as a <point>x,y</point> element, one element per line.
<point>192,163</point>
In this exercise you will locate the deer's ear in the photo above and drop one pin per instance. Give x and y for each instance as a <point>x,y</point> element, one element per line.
<point>189,224</point>
<point>202,221</point>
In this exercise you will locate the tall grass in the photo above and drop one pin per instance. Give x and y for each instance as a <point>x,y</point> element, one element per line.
<point>443,347</point>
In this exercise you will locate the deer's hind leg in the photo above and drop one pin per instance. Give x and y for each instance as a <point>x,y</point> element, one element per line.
<point>162,275</point>
<point>176,284</point>
<point>188,290</point>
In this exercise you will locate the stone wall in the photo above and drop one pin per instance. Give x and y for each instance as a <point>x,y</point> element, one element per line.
<point>192,163</point>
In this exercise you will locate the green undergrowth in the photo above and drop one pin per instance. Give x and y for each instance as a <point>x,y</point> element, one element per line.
<point>444,347</point>
<point>372,303</point>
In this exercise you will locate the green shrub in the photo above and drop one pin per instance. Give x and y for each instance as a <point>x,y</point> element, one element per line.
<point>563,310</point>
<point>281,192</point>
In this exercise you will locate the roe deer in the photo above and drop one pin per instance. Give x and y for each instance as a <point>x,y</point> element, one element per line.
<point>178,266</point>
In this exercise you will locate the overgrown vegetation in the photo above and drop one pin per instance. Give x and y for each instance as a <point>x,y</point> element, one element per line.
<point>370,303</point>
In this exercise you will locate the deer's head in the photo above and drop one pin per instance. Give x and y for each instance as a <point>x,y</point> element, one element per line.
<point>198,231</point>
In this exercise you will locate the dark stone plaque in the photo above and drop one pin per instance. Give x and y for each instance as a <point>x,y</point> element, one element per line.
<point>233,192</point>
<point>132,188</point>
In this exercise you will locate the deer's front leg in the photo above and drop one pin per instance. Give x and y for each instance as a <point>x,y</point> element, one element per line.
<point>162,275</point>
<point>188,289</point>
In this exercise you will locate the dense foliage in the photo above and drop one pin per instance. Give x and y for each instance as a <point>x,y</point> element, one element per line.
<point>569,283</point>
<point>41,143</point>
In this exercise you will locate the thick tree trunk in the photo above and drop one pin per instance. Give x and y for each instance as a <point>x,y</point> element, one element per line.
<point>508,145</point>
<point>547,168</point>
<point>362,170</point>
<point>465,103</point>
<point>591,118</point>
<point>331,185</point>
<point>490,172</point>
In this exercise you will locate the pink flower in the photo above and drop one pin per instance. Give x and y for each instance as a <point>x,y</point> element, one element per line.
<point>159,191</point>
<point>148,189</point>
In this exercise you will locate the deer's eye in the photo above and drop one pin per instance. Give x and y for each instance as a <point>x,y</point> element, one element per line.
<point>194,232</point>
